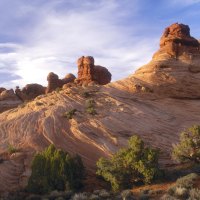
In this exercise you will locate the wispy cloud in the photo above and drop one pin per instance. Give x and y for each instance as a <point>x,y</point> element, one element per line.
<point>59,38</point>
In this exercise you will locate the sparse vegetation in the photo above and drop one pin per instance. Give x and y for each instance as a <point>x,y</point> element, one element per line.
<point>70,114</point>
<point>12,149</point>
<point>90,107</point>
<point>54,169</point>
<point>58,89</point>
<point>188,149</point>
<point>135,163</point>
<point>183,189</point>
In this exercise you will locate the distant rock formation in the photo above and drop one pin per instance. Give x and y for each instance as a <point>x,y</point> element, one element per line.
<point>175,68</point>
<point>54,82</point>
<point>30,91</point>
<point>88,72</point>
<point>8,100</point>
<point>2,89</point>
<point>8,95</point>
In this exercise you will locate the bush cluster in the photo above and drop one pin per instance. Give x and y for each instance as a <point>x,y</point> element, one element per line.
<point>90,107</point>
<point>70,114</point>
<point>54,169</point>
<point>130,165</point>
<point>183,189</point>
<point>188,149</point>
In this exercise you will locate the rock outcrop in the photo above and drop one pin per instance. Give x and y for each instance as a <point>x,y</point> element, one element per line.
<point>30,91</point>
<point>176,41</point>
<point>144,98</point>
<point>8,100</point>
<point>175,68</point>
<point>88,72</point>
<point>2,89</point>
<point>54,82</point>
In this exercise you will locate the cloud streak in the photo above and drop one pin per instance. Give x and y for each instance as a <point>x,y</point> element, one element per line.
<point>51,36</point>
<point>58,39</point>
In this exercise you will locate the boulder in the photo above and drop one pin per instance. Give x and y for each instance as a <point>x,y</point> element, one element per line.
<point>54,82</point>
<point>30,91</point>
<point>8,95</point>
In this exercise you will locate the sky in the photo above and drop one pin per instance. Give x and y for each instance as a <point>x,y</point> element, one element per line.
<point>42,36</point>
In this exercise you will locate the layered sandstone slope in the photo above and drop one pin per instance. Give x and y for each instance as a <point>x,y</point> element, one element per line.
<point>174,70</point>
<point>140,104</point>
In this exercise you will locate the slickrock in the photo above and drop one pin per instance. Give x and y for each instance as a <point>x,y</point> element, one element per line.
<point>88,72</point>
<point>141,104</point>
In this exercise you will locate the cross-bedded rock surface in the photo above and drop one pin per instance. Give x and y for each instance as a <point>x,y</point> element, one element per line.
<point>141,104</point>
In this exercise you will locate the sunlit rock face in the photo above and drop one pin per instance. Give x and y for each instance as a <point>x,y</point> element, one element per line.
<point>88,72</point>
<point>54,82</point>
<point>174,70</point>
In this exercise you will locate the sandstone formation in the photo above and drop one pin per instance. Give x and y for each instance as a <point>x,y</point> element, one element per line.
<point>175,68</point>
<point>88,72</point>
<point>2,89</point>
<point>8,100</point>
<point>30,91</point>
<point>141,104</point>
<point>54,82</point>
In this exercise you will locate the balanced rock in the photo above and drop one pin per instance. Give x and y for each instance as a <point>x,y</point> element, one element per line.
<point>30,91</point>
<point>88,72</point>
<point>174,70</point>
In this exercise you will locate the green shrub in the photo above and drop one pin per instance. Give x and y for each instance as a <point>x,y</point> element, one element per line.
<point>90,103</point>
<point>91,111</point>
<point>136,163</point>
<point>70,114</point>
<point>188,149</point>
<point>12,149</point>
<point>54,169</point>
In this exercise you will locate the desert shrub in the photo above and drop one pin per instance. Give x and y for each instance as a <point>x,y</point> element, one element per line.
<point>91,111</point>
<point>181,192</point>
<point>12,149</point>
<point>70,114</point>
<point>181,189</point>
<point>80,196</point>
<point>85,94</point>
<point>54,169</point>
<point>126,194</point>
<point>187,181</point>
<point>90,103</point>
<point>194,194</point>
<point>135,163</point>
<point>94,197</point>
<point>188,149</point>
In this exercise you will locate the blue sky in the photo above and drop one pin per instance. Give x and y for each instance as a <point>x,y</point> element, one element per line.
<point>40,36</point>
